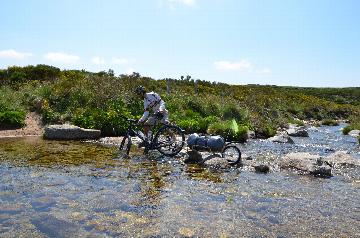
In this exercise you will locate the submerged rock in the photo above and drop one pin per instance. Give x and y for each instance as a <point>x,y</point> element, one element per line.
<point>206,159</point>
<point>193,157</point>
<point>306,163</point>
<point>262,168</point>
<point>216,162</point>
<point>69,132</point>
<point>342,158</point>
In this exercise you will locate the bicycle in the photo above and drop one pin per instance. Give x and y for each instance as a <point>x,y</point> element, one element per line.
<point>168,140</point>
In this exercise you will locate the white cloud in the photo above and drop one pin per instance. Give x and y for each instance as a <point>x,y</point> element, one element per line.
<point>98,60</point>
<point>242,65</point>
<point>13,54</point>
<point>60,57</point>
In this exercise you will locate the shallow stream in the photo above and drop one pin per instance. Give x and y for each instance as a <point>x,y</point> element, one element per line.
<point>77,189</point>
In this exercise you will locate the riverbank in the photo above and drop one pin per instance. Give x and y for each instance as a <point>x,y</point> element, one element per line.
<point>34,127</point>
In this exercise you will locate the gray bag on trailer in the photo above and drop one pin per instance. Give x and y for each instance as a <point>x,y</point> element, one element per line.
<point>207,142</point>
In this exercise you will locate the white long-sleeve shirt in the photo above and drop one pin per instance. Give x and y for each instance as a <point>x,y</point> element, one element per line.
<point>152,102</point>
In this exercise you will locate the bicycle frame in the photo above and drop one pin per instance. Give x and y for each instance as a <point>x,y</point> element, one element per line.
<point>150,145</point>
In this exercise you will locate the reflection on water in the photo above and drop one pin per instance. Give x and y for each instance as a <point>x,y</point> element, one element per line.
<point>71,189</point>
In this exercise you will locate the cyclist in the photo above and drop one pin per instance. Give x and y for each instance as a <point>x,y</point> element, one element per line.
<point>152,103</point>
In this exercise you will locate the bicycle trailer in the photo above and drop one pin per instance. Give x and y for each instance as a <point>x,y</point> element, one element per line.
<point>199,142</point>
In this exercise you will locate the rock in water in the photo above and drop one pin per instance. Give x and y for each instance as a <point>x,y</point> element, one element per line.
<point>262,168</point>
<point>306,163</point>
<point>342,158</point>
<point>69,132</point>
<point>298,132</point>
<point>281,139</point>
<point>354,133</point>
<point>194,157</point>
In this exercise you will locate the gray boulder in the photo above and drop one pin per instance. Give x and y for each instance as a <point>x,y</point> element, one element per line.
<point>69,132</point>
<point>206,159</point>
<point>283,138</point>
<point>342,158</point>
<point>250,134</point>
<point>306,163</point>
<point>298,132</point>
<point>354,133</point>
<point>216,162</point>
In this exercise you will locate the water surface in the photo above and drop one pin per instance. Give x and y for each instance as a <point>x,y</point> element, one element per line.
<point>76,189</point>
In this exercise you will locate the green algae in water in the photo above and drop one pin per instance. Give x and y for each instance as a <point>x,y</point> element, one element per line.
<point>34,151</point>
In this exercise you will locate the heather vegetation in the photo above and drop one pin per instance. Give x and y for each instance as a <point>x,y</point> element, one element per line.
<point>97,100</point>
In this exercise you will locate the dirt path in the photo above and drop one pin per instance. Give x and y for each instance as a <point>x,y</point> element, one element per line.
<point>33,127</point>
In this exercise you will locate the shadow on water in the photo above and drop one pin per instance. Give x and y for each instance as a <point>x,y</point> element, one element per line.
<point>69,189</point>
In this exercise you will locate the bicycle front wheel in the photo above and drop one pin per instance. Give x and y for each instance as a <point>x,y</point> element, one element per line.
<point>232,154</point>
<point>169,140</point>
<point>125,144</point>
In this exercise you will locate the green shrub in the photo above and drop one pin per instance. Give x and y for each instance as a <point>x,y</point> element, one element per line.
<point>12,119</point>
<point>84,121</point>
<point>296,122</point>
<point>189,125</point>
<point>329,122</point>
<point>229,130</point>
<point>266,130</point>
<point>196,105</point>
<point>347,129</point>
<point>231,111</point>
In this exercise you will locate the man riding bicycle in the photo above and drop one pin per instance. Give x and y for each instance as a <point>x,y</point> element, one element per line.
<point>152,103</point>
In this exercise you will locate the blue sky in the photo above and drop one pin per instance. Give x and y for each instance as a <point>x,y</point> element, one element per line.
<point>277,42</point>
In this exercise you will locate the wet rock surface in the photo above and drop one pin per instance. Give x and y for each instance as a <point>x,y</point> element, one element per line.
<point>283,138</point>
<point>306,163</point>
<point>298,132</point>
<point>69,132</point>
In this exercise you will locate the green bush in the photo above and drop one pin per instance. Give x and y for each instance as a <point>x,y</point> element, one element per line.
<point>329,122</point>
<point>84,121</point>
<point>266,130</point>
<point>232,111</point>
<point>296,122</point>
<point>12,119</point>
<point>189,125</point>
<point>229,130</point>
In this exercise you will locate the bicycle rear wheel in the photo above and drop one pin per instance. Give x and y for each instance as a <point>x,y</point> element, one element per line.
<point>169,140</point>
<point>125,144</point>
<point>232,154</point>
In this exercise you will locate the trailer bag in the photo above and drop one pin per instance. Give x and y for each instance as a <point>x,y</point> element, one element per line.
<point>210,142</point>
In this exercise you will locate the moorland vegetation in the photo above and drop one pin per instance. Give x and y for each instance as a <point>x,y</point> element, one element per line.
<point>98,100</point>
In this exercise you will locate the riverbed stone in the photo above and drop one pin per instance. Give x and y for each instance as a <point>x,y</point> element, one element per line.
<point>70,132</point>
<point>282,138</point>
<point>306,163</point>
<point>193,157</point>
<point>342,158</point>
<point>216,162</point>
<point>262,168</point>
<point>354,133</point>
<point>298,132</point>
